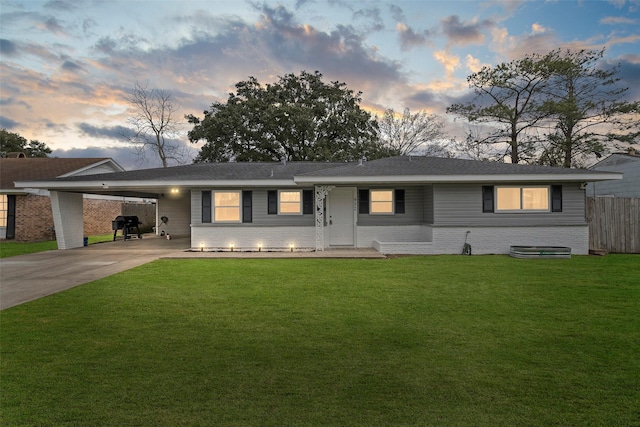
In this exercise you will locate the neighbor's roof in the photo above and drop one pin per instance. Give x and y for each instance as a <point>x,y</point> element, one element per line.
<point>40,168</point>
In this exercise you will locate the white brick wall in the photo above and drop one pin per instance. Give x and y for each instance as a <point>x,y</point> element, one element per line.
<point>249,237</point>
<point>68,219</point>
<point>497,240</point>
<point>395,233</point>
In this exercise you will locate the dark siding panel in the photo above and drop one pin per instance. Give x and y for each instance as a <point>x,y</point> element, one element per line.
<point>307,202</point>
<point>247,206</point>
<point>206,206</point>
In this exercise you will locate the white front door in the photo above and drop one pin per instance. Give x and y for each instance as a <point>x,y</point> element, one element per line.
<point>341,216</point>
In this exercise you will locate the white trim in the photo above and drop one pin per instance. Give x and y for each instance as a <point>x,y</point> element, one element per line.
<point>426,179</point>
<point>135,184</point>
<point>300,201</point>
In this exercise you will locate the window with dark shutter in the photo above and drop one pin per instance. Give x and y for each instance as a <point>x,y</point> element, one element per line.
<point>487,198</point>
<point>272,202</point>
<point>556,198</point>
<point>399,201</point>
<point>247,204</point>
<point>363,201</point>
<point>206,206</point>
<point>307,202</point>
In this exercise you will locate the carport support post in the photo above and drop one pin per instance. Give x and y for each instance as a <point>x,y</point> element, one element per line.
<point>68,219</point>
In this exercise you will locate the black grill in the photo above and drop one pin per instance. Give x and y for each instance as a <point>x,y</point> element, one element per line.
<point>126,223</point>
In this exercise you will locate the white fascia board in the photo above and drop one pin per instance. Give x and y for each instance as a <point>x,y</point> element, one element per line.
<point>90,185</point>
<point>417,179</point>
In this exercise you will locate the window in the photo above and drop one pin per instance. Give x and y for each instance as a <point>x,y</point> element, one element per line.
<point>522,199</point>
<point>381,202</point>
<point>226,206</point>
<point>290,202</point>
<point>4,208</point>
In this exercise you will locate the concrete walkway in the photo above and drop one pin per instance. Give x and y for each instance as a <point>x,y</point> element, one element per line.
<point>28,277</point>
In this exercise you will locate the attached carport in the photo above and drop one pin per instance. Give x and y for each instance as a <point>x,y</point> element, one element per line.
<point>172,202</point>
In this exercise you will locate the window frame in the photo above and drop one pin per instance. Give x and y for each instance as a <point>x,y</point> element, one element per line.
<point>214,206</point>
<point>392,201</point>
<point>299,203</point>
<point>4,210</point>
<point>521,200</point>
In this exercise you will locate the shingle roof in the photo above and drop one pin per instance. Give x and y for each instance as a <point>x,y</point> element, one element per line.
<point>435,166</point>
<point>39,168</point>
<point>420,168</point>
<point>213,171</point>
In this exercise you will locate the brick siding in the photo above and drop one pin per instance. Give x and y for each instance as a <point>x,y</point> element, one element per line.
<point>34,220</point>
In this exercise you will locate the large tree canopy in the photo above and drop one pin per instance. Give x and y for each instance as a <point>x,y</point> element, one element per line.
<point>14,143</point>
<point>297,118</point>
<point>507,98</point>
<point>587,107</point>
<point>558,109</point>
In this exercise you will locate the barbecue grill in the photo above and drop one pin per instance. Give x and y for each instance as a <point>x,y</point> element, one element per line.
<point>126,223</point>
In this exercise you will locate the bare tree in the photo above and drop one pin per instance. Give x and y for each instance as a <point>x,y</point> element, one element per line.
<point>153,117</point>
<point>417,133</point>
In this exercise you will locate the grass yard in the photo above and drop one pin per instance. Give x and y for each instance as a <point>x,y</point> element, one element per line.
<point>440,340</point>
<point>12,248</point>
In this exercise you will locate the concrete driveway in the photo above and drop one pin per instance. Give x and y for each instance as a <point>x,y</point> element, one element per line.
<point>28,277</point>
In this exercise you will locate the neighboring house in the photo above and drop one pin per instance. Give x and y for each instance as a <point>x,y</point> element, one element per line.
<point>412,205</point>
<point>25,213</point>
<point>625,163</point>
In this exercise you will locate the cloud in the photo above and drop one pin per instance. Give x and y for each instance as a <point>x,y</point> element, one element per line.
<point>7,123</point>
<point>473,64</point>
<point>616,20</point>
<point>119,133</point>
<point>461,33</point>
<point>409,38</point>
<point>72,67</point>
<point>8,48</point>
<point>450,62</point>
<point>60,5</point>
<point>52,25</point>
<point>536,28</point>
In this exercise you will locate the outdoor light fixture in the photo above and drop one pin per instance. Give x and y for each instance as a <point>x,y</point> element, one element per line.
<point>259,247</point>
<point>201,246</point>
<point>175,191</point>
<point>291,247</point>
<point>231,247</point>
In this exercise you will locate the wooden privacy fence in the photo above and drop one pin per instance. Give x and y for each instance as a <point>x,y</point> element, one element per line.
<point>614,224</point>
<point>146,213</point>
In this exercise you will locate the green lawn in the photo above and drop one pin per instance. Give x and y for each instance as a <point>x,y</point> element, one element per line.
<point>12,248</point>
<point>441,340</point>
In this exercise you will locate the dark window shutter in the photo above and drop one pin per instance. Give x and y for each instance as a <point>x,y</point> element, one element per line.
<point>247,203</point>
<point>206,206</point>
<point>487,198</point>
<point>11,217</point>
<point>556,198</point>
<point>307,202</point>
<point>272,202</point>
<point>363,201</point>
<point>399,201</point>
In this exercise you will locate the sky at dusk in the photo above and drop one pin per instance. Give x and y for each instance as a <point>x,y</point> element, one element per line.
<point>66,66</point>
